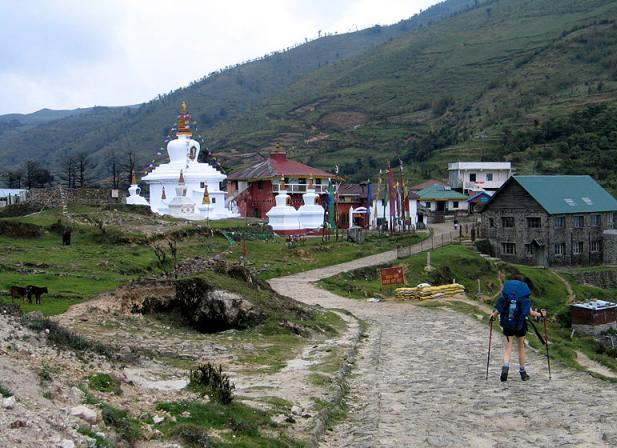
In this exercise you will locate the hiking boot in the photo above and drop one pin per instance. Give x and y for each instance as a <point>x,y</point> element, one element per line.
<point>524,375</point>
<point>504,373</point>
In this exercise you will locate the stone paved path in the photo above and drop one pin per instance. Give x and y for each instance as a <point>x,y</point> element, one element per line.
<point>419,381</point>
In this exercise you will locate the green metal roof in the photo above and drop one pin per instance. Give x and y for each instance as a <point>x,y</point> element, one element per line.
<point>440,193</point>
<point>568,194</point>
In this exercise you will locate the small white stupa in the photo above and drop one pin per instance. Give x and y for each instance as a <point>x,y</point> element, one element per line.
<point>283,218</point>
<point>134,197</point>
<point>180,206</point>
<point>310,215</point>
<point>199,179</point>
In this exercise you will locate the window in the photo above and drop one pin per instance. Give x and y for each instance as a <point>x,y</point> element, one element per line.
<point>454,204</point>
<point>260,184</point>
<point>529,249</point>
<point>213,200</point>
<point>427,204</point>
<point>508,248</point>
<point>202,185</point>
<point>489,177</point>
<point>472,177</point>
<point>596,220</point>
<point>559,248</point>
<point>578,222</point>
<point>610,220</point>
<point>534,222</point>
<point>559,222</point>
<point>577,248</point>
<point>595,246</point>
<point>491,222</point>
<point>507,221</point>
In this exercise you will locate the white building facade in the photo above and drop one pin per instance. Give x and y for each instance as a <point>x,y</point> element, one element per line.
<point>478,176</point>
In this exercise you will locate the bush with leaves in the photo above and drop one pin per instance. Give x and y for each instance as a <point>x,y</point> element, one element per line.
<point>211,381</point>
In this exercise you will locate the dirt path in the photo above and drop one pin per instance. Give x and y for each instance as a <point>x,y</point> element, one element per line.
<point>419,380</point>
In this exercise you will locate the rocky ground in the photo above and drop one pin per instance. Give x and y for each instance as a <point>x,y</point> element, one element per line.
<point>419,380</point>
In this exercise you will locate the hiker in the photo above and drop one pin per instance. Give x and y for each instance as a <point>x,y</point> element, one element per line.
<point>513,308</point>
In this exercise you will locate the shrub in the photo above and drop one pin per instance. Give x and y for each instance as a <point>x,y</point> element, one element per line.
<point>104,382</point>
<point>125,425</point>
<point>208,380</point>
<point>5,392</point>
<point>191,434</point>
<point>19,230</point>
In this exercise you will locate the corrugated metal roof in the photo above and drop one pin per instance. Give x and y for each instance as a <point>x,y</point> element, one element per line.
<point>439,192</point>
<point>426,184</point>
<point>567,194</point>
<point>595,305</point>
<point>278,167</point>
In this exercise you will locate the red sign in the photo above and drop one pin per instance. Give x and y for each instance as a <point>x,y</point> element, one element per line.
<point>392,276</point>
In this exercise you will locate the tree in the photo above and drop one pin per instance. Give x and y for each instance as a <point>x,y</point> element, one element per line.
<point>30,168</point>
<point>82,165</point>
<point>114,170</point>
<point>130,166</point>
<point>69,170</point>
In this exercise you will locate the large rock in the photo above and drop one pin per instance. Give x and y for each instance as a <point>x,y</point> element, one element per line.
<point>212,310</point>
<point>84,413</point>
<point>8,403</point>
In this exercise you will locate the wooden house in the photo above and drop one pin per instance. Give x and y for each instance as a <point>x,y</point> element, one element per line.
<point>593,317</point>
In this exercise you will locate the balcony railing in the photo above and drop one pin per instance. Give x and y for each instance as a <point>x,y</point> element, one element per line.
<point>300,188</point>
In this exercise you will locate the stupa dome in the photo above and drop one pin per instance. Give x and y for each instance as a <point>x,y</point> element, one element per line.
<point>183,148</point>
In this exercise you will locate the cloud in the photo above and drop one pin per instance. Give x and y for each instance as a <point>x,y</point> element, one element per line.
<point>71,53</point>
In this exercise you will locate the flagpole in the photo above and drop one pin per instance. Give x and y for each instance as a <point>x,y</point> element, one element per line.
<point>402,196</point>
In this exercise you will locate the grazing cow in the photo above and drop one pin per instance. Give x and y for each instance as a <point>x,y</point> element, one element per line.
<point>66,237</point>
<point>17,292</point>
<point>37,291</point>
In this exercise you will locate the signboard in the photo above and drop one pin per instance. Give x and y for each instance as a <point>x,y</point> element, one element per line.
<point>392,276</point>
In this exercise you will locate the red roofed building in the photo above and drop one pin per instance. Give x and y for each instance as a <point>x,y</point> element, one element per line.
<point>253,188</point>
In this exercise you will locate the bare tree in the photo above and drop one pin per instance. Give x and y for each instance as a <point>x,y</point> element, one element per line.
<point>114,168</point>
<point>69,170</point>
<point>83,164</point>
<point>130,166</point>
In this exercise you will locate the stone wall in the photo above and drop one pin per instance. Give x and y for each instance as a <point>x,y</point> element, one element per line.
<point>52,197</point>
<point>600,279</point>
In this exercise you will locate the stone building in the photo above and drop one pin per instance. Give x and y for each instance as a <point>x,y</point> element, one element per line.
<point>549,220</point>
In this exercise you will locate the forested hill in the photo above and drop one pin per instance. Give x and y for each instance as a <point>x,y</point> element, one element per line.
<point>213,100</point>
<point>481,84</point>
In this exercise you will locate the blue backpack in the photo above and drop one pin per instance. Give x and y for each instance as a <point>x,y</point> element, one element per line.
<point>514,305</point>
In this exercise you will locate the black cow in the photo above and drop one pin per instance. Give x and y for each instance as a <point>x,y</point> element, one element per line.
<point>66,237</point>
<point>37,292</point>
<point>18,292</point>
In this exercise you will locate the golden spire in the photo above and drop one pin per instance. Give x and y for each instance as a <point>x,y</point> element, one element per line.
<point>163,196</point>
<point>133,179</point>
<point>184,120</point>
<point>282,186</point>
<point>310,185</point>
<point>206,199</point>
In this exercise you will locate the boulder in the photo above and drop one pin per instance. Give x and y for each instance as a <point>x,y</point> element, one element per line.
<point>66,443</point>
<point>84,413</point>
<point>8,403</point>
<point>212,310</point>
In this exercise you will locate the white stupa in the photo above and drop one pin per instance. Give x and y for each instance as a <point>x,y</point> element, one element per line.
<point>198,178</point>
<point>134,197</point>
<point>310,215</point>
<point>283,218</point>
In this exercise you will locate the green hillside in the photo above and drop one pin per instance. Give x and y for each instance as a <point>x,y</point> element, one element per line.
<point>453,91</point>
<point>213,100</point>
<point>465,80</point>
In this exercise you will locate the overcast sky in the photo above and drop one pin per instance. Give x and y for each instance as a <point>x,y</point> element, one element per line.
<point>64,54</point>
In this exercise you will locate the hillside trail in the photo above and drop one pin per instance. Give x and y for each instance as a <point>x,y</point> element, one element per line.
<point>419,381</point>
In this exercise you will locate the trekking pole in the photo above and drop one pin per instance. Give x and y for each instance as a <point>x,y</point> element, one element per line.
<point>548,358</point>
<point>490,337</point>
